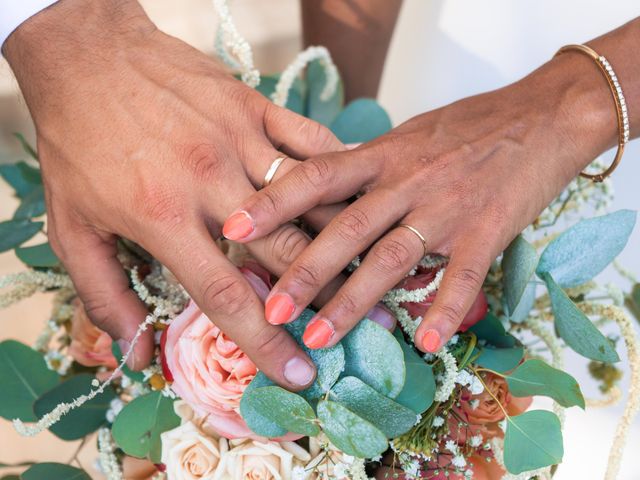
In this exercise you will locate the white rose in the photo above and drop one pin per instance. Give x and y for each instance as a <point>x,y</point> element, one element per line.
<point>190,454</point>
<point>254,460</point>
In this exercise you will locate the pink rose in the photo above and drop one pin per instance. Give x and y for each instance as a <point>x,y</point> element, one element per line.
<point>424,277</point>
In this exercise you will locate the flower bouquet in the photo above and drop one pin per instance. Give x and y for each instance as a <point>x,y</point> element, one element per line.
<point>378,408</point>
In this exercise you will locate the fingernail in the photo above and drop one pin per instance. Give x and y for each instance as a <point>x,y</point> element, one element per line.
<point>124,348</point>
<point>238,226</point>
<point>298,371</point>
<point>431,341</point>
<point>279,308</point>
<point>318,333</point>
<point>382,316</point>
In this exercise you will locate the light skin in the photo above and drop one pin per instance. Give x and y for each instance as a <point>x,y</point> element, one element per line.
<point>469,177</point>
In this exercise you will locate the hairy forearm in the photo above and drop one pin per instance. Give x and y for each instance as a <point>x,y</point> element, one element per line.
<point>357,33</point>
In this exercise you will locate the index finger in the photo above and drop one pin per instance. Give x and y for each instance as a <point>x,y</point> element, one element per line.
<point>224,295</point>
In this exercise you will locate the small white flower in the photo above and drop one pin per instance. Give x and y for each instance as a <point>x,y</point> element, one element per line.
<point>451,446</point>
<point>459,461</point>
<point>475,441</point>
<point>57,362</point>
<point>437,421</point>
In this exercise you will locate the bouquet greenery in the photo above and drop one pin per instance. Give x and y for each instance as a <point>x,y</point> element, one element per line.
<point>378,407</point>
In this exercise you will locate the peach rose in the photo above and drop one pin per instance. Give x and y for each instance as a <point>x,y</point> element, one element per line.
<point>256,460</point>
<point>208,370</point>
<point>138,469</point>
<point>89,346</point>
<point>487,409</point>
<point>424,277</point>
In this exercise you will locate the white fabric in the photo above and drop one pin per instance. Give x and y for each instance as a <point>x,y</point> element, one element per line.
<point>13,13</point>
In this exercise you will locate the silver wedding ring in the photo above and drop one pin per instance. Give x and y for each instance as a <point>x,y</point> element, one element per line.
<point>417,234</point>
<point>273,168</point>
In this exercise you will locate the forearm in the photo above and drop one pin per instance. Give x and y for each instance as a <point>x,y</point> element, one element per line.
<point>357,33</point>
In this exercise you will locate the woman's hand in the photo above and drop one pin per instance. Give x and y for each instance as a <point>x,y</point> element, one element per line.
<point>469,177</point>
<point>143,137</point>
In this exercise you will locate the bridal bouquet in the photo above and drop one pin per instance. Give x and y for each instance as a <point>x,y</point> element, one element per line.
<point>378,408</point>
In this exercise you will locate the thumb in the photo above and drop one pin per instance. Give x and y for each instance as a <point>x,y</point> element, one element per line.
<point>103,287</point>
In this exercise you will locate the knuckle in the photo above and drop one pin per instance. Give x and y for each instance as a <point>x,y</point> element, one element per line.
<point>99,312</point>
<point>316,172</point>
<point>226,294</point>
<point>306,275</point>
<point>347,304</point>
<point>159,205</point>
<point>352,224</point>
<point>271,342</point>
<point>317,137</point>
<point>451,313</point>
<point>202,160</point>
<point>391,255</point>
<point>467,279</point>
<point>286,243</point>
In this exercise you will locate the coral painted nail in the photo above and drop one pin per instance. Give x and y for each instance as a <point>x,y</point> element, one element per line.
<point>431,340</point>
<point>318,333</point>
<point>238,226</point>
<point>279,309</point>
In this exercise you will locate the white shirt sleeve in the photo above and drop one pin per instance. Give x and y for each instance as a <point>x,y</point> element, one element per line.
<point>13,13</point>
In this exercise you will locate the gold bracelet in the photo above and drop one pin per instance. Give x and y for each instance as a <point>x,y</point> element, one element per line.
<point>618,98</point>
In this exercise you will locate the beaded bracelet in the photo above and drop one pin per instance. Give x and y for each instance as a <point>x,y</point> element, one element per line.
<point>618,98</point>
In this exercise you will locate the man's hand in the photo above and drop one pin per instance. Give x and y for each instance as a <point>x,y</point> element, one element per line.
<point>143,137</point>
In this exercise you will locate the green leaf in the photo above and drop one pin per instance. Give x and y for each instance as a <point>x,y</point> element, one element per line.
<point>388,416</point>
<point>374,356</point>
<point>82,420</point>
<point>14,233</point>
<point>54,471</point>
<point>518,264</point>
<point>138,426</point>
<point>499,359</point>
<point>132,374</point>
<point>22,177</point>
<point>585,249</point>
<point>328,361</point>
<point>32,204</point>
<point>26,146</point>
<point>535,377</point>
<point>632,301</point>
<point>362,120</point>
<point>527,302</point>
<point>350,433</point>
<point>288,410</point>
<point>419,387</point>
<point>295,101</point>
<point>575,328</point>
<point>321,111</point>
<point>533,440</point>
<point>491,330</point>
<point>24,376</point>
<point>38,256</point>
<point>259,422</point>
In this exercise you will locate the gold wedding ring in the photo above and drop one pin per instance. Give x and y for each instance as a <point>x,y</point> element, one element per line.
<point>268,178</point>
<point>417,234</point>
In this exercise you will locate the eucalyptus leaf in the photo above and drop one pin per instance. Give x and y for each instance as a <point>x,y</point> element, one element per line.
<point>54,471</point>
<point>24,376</point>
<point>322,111</point>
<point>575,328</point>
<point>38,256</point>
<point>254,419</point>
<point>518,264</point>
<point>32,204</point>
<point>419,387</point>
<point>533,440</point>
<point>138,426</point>
<point>80,421</point>
<point>535,377</point>
<point>132,374</point>
<point>499,359</point>
<point>527,301</point>
<point>26,146</point>
<point>361,121</point>
<point>10,477</point>
<point>295,100</point>
<point>14,233</point>
<point>287,410</point>
<point>22,177</point>
<point>373,355</point>
<point>585,250</point>
<point>350,433</point>
<point>491,330</point>
<point>328,361</point>
<point>392,418</point>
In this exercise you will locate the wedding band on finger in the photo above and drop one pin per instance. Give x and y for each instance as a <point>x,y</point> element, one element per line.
<point>417,233</point>
<point>273,168</point>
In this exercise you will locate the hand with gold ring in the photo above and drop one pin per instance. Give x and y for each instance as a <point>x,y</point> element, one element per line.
<point>461,181</point>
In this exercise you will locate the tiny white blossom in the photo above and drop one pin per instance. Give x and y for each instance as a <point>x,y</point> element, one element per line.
<point>451,446</point>
<point>459,461</point>
<point>437,421</point>
<point>475,441</point>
